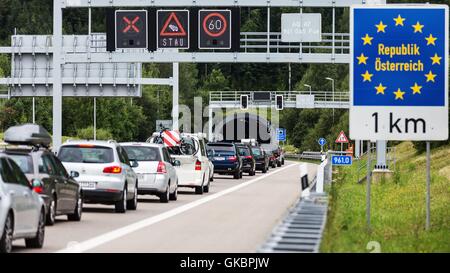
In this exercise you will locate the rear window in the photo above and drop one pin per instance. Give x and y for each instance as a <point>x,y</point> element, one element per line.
<point>142,153</point>
<point>214,150</point>
<point>244,151</point>
<point>79,154</point>
<point>256,151</point>
<point>23,161</point>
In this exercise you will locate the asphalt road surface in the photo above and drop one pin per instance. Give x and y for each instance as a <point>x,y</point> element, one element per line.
<point>236,216</point>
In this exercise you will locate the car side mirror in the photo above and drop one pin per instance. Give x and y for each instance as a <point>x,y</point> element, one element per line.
<point>74,174</point>
<point>176,163</point>
<point>134,164</point>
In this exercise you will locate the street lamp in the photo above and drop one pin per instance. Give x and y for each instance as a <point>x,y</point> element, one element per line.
<point>310,88</point>
<point>333,88</point>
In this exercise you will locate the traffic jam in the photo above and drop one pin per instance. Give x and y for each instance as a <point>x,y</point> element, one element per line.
<point>38,184</point>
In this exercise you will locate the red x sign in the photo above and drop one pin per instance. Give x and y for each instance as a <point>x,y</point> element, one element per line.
<point>131,24</point>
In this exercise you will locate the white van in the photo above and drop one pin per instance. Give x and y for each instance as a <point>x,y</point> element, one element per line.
<point>195,168</point>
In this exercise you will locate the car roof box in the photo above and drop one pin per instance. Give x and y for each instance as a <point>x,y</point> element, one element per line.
<point>28,134</point>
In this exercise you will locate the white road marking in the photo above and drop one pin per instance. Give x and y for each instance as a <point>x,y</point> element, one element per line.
<point>115,234</point>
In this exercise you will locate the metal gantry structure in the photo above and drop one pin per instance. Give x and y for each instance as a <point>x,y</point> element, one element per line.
<point>73,63</point>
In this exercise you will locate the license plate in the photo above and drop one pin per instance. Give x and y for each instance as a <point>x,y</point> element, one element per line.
<point>219,158</point>
<point>88,185</point>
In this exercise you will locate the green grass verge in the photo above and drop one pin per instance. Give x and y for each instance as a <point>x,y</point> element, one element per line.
<point>398,207</point>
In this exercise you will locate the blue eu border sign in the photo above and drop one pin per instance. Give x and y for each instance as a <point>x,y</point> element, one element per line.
<point>341,160</point>
<point>399,72</point>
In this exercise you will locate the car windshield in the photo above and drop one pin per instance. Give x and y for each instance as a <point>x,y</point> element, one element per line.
<point>244,151</point>
<point>256,151</point>
<point>91,154</point>
<point>221,150</point>
<point>142,153</point>
<point>23,161</point>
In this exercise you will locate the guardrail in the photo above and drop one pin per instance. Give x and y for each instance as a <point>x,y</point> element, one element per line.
<point>312,155</point>
<point>262,42</point>
<point>289,96</point>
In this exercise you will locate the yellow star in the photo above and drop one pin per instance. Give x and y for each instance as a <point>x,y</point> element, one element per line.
<point>417,27</point>
<point>399,94</point>
<point>416,88</point>
<point>381,27</point>
<point>362,59</point>
<point>430,40</point>
<point>367,39</point>
<point>430,76</point>
<point>436,59</point>
<point>399,20</point>
<point>367,77</point>
<point>380,89</point>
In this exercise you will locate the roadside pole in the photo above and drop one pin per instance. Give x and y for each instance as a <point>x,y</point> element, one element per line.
<point>368,186</point>
<point>175,97</point>
<point>428,186</point>
<point>57,82</point>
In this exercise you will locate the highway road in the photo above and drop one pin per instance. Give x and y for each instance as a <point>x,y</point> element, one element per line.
<point>236,216</point>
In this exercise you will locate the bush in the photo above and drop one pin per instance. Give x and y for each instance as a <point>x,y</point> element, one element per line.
<point>88,133</point>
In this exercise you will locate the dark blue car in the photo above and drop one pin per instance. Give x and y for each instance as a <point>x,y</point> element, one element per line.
<point>225,158</point>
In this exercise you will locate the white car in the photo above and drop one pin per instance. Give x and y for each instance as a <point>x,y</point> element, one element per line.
<point>156,172</point>
<point>105,173</point>
<point>22,210</point>
<point>195,169</point>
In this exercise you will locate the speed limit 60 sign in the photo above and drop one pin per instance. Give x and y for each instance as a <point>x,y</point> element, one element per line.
<point>214,29</point>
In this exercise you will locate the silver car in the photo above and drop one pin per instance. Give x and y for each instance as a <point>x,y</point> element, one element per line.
<point>22,211</point>
<point>105,173</point>
<point>156,172</point>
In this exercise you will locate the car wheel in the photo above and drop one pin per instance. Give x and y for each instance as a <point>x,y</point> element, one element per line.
<point>51,215</point>
<point>174,196</point>
<point>76,215</point>
<point>279,164</point>
<point>199,190</point>
<point>7,236</point>
<point>206,188</point>
<point>237,175</point>
<point>165,196</point>
<point>132,204</point>
<point>264,170</point>
<point>282,162</point>
<point>121,205</point>
<point>38,241</point>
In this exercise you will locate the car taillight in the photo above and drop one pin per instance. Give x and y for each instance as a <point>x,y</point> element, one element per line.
<point>38,189</point>
<point>161,168</point>
<point>112,169</point>
<point>249,157</point>
<point>198,165</point>
<point>232,158</point>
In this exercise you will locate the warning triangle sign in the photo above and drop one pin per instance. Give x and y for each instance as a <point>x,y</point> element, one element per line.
<point>342,138</point>
<point>172,27</point>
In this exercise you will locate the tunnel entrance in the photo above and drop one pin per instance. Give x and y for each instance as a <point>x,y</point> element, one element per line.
<point>244,126</point>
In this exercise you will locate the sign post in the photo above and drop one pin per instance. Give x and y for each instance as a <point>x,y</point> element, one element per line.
<point>214,29</point>
<point>173,29</point>
<point>342,138</point>
<point>281,134</point>
<point>399,76</point>
<point>131,29</point>
<point>322,141</point>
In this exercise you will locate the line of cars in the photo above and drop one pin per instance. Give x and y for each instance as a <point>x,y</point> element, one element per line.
<point>36,185</point>
<point>247,156</point>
